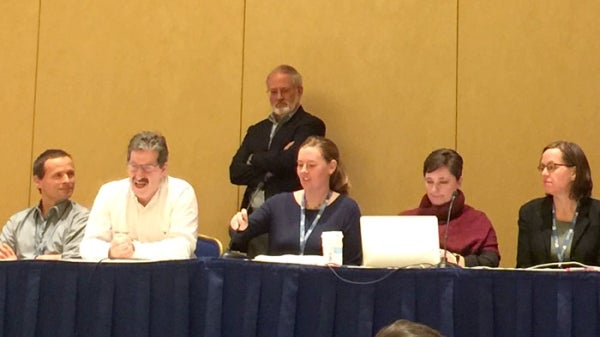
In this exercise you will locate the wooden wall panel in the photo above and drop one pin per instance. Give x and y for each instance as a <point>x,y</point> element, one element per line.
<point>18,43</point>
<point>379,73</point>
<point>528,75</point>
<point>109,69</point>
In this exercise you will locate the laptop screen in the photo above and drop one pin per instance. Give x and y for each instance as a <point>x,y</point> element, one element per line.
<point>400,240</point>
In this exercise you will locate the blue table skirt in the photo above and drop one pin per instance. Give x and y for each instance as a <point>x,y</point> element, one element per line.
<point>218,297</point>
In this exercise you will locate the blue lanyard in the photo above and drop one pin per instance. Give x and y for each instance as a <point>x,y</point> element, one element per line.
<point>41,227</point>
<point>304,236</point>
<point>40,242</point>
<point>560,249</point>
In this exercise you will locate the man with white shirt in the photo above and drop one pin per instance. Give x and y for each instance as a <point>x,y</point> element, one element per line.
<point>149,215</point>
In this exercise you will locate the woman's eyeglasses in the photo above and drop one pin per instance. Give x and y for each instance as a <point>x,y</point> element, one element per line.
<point>551,167</point>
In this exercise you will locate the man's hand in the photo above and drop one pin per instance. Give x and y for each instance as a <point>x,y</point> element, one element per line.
<point>7,253</point>
<point>288,145</point>
<point>49,257</point>
<point>121,247</point>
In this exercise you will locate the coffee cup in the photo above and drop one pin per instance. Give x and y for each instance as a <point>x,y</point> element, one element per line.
<point>333,247</point>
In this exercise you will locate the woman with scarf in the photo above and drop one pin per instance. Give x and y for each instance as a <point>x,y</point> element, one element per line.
<point>471,238</point>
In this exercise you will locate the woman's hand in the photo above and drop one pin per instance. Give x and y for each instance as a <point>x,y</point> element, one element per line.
<point>239,222</point>
<point>453,258</point>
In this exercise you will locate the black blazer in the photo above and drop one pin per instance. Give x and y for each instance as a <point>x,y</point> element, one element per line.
<point>276,161</point>
<point>535,232</point>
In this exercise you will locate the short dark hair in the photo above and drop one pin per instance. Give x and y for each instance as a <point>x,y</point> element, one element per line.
<point>149,140</point>
<point>38,165</point>
<point>406,328</point>
<point>573,155</point>
<point>338,181</point>
<point>444,157</point>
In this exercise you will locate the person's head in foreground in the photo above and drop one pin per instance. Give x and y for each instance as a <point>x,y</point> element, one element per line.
<point>406,328</point>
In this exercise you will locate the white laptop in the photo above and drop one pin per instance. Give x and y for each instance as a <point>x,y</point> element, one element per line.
<point>400,240</point>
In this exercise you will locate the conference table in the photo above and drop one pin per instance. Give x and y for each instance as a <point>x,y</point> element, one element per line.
<point>228,297</point>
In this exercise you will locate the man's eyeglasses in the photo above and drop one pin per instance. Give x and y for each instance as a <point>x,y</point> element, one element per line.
<point>281,91</point>
<point>551,167</point>
<point>146,167</point>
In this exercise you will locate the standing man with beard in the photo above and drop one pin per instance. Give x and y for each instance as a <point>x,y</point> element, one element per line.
<point>51,230</point>
<point>266,159</point>
<point>149,215</point>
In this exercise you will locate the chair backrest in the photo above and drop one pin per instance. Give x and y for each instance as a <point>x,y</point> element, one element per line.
<point>208,246</point>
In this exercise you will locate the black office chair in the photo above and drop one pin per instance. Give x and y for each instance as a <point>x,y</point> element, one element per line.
<point>208,246</point>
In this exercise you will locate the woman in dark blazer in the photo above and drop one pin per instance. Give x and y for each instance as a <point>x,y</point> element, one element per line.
<point>563,226</point>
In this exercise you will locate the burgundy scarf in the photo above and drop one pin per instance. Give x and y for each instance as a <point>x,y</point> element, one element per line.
<point>441,211</point>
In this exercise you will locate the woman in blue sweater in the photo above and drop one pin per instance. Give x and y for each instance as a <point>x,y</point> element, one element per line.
<point>295,220</point>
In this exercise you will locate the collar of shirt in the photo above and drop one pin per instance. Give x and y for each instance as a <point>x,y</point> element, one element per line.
<point>57,210</point>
